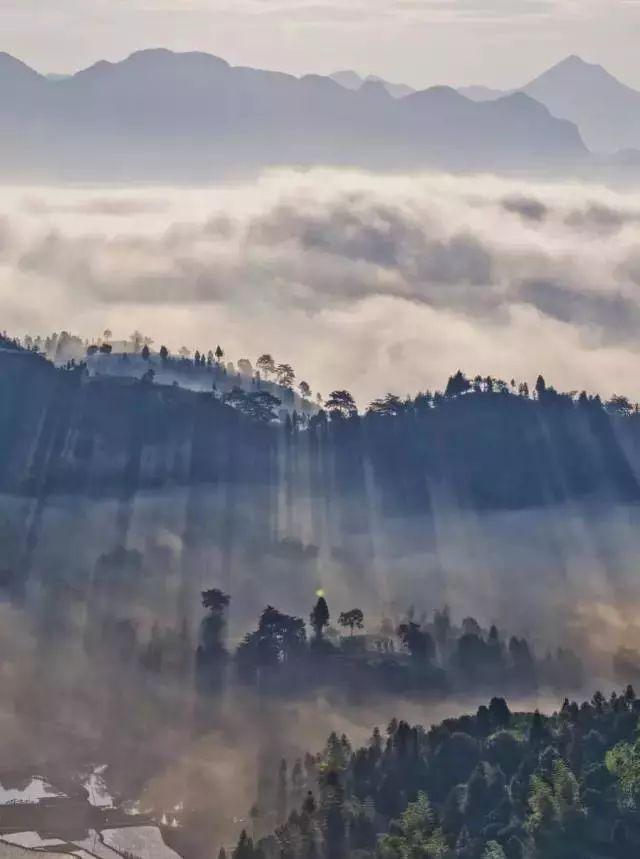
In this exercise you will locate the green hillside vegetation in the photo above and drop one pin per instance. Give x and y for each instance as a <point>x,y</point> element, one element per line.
<point>491,785</point>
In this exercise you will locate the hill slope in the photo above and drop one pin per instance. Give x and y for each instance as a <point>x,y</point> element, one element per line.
<point>488,785</point>
<point>62,431</point>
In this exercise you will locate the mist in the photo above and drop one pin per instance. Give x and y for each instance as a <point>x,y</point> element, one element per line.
<point>371,283</point>
<point>413,276</point>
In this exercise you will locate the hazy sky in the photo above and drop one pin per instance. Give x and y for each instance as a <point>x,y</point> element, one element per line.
<point>421,42</point>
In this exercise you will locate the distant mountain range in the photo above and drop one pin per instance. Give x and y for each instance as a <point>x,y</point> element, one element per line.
<point>168,115</point>
<point>354,81</point>
<point>606,111</point>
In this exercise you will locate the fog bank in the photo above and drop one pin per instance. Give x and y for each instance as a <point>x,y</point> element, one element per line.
<point>413,276</point>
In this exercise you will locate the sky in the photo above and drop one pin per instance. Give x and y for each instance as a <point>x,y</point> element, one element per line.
<point>500,43</point>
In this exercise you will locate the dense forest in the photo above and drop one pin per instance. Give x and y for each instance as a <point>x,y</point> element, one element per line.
<point>485,443</point>
<point>491,785</point>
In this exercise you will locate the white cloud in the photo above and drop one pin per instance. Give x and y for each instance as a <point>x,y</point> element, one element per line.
<point>371,282</point>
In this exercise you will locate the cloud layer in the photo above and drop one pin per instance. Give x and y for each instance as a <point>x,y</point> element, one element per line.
<point>370,282</point>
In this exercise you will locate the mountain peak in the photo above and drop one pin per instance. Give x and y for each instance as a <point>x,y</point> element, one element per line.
<point>575,68</point>
<point>9,65</point>
<point>573,60</point>
<point>154,60</point>
<point>353,81</point>
<point>578,64</point>
<point>165,57</point>
<point>439,94</point>
<point>347,79</point>
<point>521,102</point>
<point>604,109</point>
<point>374,87</point>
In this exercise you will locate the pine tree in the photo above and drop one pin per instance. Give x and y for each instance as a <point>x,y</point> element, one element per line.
<point>320,617</point>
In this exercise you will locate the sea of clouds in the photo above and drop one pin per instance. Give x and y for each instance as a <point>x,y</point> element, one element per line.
<point>373,283</point>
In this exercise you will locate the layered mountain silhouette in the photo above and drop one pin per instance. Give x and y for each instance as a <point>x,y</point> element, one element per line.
<point>159,113</point>
<point>354,81</point>
<point>606,111</point>
<point>482,93</point>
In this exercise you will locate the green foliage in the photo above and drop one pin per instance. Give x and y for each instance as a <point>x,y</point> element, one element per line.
<point>336,753</point>
<point>419,835</point>
<point>443,794</point>
<point>493,851</point>
<point>623,761</point>
<point>541,802</point>
<point>557,814</point>
<point>566,793</point>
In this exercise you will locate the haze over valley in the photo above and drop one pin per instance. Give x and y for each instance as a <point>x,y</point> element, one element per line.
<point>319,435</point>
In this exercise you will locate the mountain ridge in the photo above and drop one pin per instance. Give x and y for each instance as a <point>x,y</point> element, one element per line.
<point>606,110</point>
<point>353,81</point>
<point>159,113</point>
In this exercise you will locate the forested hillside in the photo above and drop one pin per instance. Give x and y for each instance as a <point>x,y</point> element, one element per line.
<point>489,785</point>
<point>162,545</point>
<point>462,497</point>
<point>486,443</point>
